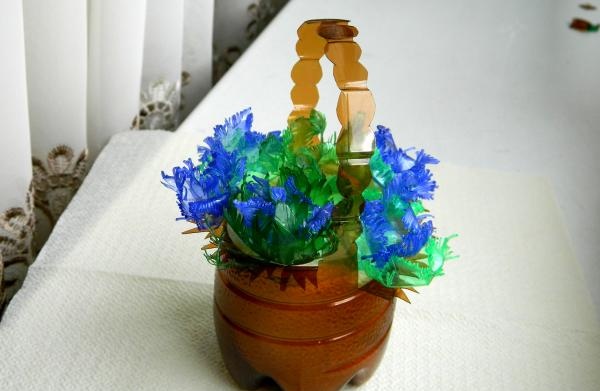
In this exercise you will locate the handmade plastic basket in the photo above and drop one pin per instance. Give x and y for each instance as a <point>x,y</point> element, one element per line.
<point>313,240</point>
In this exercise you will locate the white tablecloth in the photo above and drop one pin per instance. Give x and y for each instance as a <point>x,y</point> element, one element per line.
<point>119,299</point>
<point>500,84</point>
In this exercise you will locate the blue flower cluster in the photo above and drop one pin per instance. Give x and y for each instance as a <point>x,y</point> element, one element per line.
<point>406,176</point>
<point>394,225</point>
<point>267,203</point>
<point>263,188</point>
<point>204,190</point>
<point>388,237</point>
<point>278,197</point>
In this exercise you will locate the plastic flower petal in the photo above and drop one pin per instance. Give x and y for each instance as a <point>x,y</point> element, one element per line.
<point>400,173</point>
<point>292,190</point>
<point>249,209</point>
<point>201,199</point>
<point>319,217</point>
<point>278,194</point>
<point>391,155</point>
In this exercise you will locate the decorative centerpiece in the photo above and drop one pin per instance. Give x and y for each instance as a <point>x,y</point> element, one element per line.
<point>312,237</point>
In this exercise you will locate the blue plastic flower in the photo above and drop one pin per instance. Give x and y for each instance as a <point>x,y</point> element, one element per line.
<point>201,198</point>
<point>376,228</point>
<point>409,177</point>
<point>278,194</point>
<point>204,191</point>
<point>258,187</point>
<point>249,209</point>
<point>293,191</point>
<point>319,217</point>
<point>387,235</point>
<point>236,135</point>
<point>392,230</point>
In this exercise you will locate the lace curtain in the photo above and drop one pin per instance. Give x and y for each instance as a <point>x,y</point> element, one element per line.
<point>76,72</point>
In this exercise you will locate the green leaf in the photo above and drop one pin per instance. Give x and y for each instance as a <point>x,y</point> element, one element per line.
<point>284,216</point>
<point>318,122</point>
<point>372,192</point>
<point>417,207</point>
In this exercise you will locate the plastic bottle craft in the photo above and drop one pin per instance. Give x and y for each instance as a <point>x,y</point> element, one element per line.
<point>312,239</point>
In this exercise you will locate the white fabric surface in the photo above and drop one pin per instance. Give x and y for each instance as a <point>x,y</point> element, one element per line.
<point>504,85</point>
<point>119,300</point>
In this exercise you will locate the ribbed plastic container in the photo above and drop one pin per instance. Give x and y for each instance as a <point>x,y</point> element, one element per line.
<point>306,328</point>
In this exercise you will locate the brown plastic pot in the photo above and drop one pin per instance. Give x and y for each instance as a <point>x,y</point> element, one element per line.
<point>306,328</point>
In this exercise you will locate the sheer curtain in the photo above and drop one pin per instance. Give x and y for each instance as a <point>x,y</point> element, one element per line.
<point>15,152</point>
<point>74,73</point>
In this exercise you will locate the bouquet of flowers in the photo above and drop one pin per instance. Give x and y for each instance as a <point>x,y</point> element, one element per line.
<point>275,197</point>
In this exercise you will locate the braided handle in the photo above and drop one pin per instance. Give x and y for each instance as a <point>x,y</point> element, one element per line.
<point>355,107</point>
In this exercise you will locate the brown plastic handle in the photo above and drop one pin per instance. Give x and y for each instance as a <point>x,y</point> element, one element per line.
<point>355,108</point>
<point>333,38</point>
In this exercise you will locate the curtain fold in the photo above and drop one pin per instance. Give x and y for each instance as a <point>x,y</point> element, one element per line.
<point>16,216</point>
<point>56,52</point>
<point>196,79</point>
<point>115,57</point>
<point>161,70</point>
<point>56,58</point>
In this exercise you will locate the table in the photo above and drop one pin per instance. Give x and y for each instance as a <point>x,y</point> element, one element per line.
<point>119,300</point>
<point>504,85</point>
